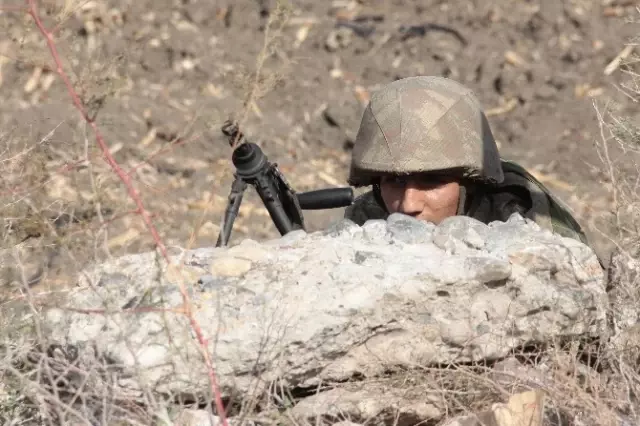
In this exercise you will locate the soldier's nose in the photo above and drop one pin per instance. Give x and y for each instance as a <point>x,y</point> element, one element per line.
<point>412,201</point>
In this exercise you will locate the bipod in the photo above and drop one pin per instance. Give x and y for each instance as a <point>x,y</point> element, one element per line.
<point>253,168</point>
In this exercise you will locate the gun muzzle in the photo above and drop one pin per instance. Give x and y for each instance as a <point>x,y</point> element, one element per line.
<point>328,198</point>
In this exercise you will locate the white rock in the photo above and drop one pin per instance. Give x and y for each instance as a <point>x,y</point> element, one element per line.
<point>348,301</point>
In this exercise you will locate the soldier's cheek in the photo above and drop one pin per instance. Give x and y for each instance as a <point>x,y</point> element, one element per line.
<point>393,197</point>
<point>444,198</point>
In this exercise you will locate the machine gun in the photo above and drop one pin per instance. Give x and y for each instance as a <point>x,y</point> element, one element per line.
<point>280,199</point>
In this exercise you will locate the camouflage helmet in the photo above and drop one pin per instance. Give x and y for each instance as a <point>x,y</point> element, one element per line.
<point>424,124</point>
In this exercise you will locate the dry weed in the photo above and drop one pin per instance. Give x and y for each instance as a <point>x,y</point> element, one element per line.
<point>48,387</point>
<point>76,181</point>
<point>258,82</point>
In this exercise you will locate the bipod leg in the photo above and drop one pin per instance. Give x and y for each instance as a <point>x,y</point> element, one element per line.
<point>233,206</point>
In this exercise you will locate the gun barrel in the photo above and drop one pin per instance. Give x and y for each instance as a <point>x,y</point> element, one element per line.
<point>328,198</point>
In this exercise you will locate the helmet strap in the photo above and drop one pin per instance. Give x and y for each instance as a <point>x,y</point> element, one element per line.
<point>474,193</point>
<point>378,197</point>
<point>462,200</point>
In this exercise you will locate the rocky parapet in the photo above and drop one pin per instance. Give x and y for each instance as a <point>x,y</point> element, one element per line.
<point>314,312</point>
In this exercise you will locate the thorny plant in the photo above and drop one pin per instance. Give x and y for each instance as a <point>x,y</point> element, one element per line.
<point>87,102</point>
<point>32,9</point>
<point>619,151</point>
<point>258,83</point>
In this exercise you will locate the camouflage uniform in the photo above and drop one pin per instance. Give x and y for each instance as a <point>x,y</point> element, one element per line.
<point>433,124</point>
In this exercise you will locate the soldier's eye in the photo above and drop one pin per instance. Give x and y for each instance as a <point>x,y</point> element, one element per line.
<point>394,180</point>
<point>425,181</point>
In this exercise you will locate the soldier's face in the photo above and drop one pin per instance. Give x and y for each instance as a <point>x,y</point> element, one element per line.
<point>429,199</point>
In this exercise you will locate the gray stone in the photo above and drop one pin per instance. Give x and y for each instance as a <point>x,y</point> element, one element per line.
<point>363,402</point>
<point>408,229</point>
<point>517,377</point>
<point>325,306</point>
<point>339,39</point>
<point>342,228</point>
<point>375,230</point>
<point>458,233</point>
<point>210,282</point>
<point>289,239</point>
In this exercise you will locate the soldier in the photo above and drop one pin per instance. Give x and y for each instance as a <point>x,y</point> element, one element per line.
<point>425,147</point>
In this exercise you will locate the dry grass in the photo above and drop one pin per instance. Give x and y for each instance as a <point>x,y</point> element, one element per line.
<point>29,214</point>
<point>47,186</point>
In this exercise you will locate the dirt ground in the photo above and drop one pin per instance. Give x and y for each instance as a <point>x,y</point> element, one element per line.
<point>163,75</point>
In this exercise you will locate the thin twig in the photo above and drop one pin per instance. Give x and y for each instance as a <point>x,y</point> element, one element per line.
<point>134,195</point>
